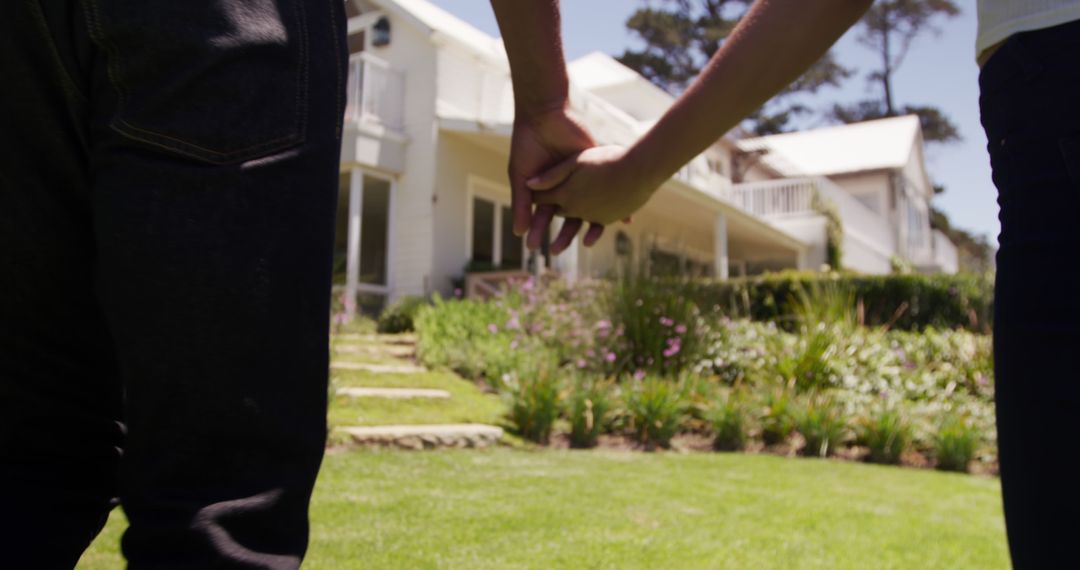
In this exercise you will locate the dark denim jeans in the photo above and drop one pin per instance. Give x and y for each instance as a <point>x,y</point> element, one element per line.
<point>1031,112</point>
<point>168,181</point>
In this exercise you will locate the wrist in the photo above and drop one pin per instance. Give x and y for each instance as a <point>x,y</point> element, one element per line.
<point>536,111</point>
<point>641,166</point>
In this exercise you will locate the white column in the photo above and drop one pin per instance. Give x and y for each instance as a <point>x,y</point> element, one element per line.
<point>570,261</point>
<point>352,267</point>
<point>720,246</point>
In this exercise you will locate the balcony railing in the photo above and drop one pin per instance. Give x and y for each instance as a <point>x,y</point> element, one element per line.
<point>791,197</point>
<point>376,93</point>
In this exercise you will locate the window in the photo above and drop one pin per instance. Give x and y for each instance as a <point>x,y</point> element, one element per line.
<point>494,245</point>
<point>513,247</point>
<point>374,231</point>
<point>483,232</point>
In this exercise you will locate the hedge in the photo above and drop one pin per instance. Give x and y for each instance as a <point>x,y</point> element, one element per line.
<point>904,302</point>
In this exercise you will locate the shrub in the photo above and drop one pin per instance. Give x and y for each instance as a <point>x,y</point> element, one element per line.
<point>777,420</point>
<point>886,433</point>
<point>533,403</point>
<point>729,424</point>
<point>589,406</point>
<point>657,409</point>
<point>462,335</point>
<point>904,302</point>
<point>810,363</point>
<point>955,443</point>
<point>661,329</point>
<point>821,422</point>
<point>398,316</point>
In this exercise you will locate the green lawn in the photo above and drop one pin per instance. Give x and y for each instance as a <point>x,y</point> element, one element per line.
<point>502,509</point>
<point>467,404</point>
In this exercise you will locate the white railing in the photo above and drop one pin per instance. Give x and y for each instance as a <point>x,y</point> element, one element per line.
<point>772,198</point>
<point>795,197</point>
<point>376,93</point>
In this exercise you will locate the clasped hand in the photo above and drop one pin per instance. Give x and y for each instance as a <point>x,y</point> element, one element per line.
<point>555,165</point>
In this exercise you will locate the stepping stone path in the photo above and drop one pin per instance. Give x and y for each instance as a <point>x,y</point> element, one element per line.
<point>394,393</point>
<point>397,351</point>
<point>426,437</point>
<point>379,368</point>
<point>404,436</point>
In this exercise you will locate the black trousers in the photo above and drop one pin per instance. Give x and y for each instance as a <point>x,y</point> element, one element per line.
<point>168,180</point>
<point>1030,106</point>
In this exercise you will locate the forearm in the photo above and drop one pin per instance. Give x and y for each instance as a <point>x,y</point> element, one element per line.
<point>776,41</point>
<point>531,34</point>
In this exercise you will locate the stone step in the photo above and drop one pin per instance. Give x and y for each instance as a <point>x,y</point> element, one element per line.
<point>398,351</point>
<point>394,393</point>
<point>425,437</point>
<point>392,339</point>
<point>379,368</point>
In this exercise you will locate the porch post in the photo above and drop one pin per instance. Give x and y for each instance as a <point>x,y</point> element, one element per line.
<point>352,267</point>
<point>570,261</point>
<point>720,246</point>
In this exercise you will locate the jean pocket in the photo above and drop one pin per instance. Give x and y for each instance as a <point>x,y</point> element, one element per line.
<point>221,81</point>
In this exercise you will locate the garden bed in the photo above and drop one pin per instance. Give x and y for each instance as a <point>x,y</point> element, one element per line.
<point>599,363</point>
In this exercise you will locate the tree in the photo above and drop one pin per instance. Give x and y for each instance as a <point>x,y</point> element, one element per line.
<point>889,28</point>
<point>680,36</point>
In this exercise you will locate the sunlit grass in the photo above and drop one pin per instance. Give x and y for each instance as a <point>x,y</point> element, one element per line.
<point>500,509</point>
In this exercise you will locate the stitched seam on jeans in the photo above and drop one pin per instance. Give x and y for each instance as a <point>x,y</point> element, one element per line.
<point>181,145</point>
<point>337,69</point>
<point>302,79</point>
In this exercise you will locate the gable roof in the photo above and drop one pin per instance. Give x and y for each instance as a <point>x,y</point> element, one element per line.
<point>434,20</point>
<point>604,75</point>
<point>859,147</point>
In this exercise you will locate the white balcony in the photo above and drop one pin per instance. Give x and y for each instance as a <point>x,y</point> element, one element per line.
<point>376,94</point>
<point>869,238</point>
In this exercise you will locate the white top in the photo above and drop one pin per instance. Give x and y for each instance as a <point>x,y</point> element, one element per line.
<point>999,19</point>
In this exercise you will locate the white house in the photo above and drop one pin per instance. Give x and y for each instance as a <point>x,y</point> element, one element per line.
<point>423,185</point>
<point>874,175</point>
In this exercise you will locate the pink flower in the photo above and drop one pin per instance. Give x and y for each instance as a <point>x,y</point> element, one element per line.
<point>603,325</point>
<point>514,344</point>
<point>581,363</point>
<point>513,324</point>
<point>492,328</point>
<point>666,321</point>
<point>671,351</point>
<point>639,374</point>
<point>610,357</point>
<point>457,293</point>
<point>681,329</point>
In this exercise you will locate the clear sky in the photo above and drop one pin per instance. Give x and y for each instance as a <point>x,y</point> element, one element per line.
<point>939,71</point>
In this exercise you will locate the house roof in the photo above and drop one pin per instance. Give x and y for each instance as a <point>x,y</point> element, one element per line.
<point>436,20</point>
<point>602,74</point>
<point>858,147</point>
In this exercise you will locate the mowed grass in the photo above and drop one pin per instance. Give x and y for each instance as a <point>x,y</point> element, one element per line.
<point>467,403</point>
<point>500,508</point>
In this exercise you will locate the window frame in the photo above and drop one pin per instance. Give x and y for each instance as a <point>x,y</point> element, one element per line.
<point>499,195</point>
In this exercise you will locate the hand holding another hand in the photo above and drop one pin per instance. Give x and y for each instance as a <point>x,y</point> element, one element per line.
<point>540,141</point>
<point>600,184</point>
